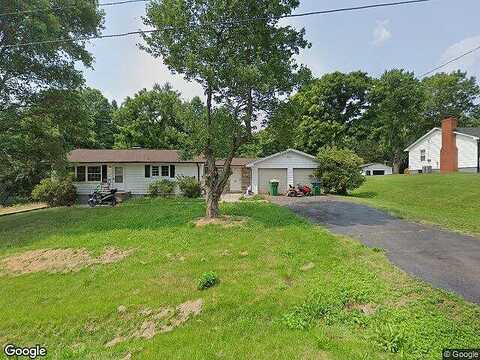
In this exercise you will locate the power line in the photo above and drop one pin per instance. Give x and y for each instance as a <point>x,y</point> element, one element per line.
<point>233,22</point>
<point>40,10</point>
<point>450,61</point>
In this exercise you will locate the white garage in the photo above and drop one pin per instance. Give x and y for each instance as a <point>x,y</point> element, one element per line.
<point>289,167</point>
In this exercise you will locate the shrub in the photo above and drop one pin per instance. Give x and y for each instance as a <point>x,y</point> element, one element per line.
<point>208,280</point>
<point>189,186</point>
<point>55,191</point>
<point>162,187</point>
<point>339,170</point>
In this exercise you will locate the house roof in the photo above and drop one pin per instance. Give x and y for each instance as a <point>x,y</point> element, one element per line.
<point>279,154</point>
<point>127,156</point>
<point>370,164</point>
<point>140,156</point>
<point>474,131</point>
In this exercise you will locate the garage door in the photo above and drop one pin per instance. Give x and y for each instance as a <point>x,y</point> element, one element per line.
<point>265,175</point>
<point>302,176</point>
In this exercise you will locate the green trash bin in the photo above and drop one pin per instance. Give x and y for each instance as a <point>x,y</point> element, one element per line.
<point>316,188</point>
<point>274,187</point>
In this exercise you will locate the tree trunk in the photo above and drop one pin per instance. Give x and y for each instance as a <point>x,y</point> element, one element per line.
<point>396,167</point>
<point>213,199</point>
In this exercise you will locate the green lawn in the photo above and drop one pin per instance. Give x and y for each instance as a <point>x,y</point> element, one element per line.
<point>351,304</point>
<point>452,201</point>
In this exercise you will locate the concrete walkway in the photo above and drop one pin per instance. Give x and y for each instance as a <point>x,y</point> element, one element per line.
<point>445,259</point>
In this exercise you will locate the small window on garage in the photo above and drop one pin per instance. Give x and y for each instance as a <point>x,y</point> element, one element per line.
<point>378,172</point>
<point>422,155</point>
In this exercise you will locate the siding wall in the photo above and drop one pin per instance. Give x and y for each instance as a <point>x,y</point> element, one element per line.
<point>134,179</point>
<point>467,152</point>
<point>432,146</point>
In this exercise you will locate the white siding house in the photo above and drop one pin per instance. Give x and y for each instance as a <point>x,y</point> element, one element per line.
<point>287,166</point>
<point>424,155</point>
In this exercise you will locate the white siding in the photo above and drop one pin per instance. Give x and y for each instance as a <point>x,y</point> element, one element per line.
<point>236,179</point>
<point>432,145</point>
<point>288,160</point>
<point>373,167</point>
<point>134,179</point>
<point>467,152</point>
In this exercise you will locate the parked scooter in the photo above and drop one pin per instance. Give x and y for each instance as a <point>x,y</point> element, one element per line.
<point>306,190</point>
<point>102,198</point>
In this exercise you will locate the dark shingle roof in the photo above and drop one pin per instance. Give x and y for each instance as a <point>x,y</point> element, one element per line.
<point>469,131</point>
<point>139,156</point>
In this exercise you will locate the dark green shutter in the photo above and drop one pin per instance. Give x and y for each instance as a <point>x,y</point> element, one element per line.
<point>172,171</point>
<point>147,171</point>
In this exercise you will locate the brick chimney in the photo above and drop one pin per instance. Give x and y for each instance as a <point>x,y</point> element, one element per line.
<point>449,152</point>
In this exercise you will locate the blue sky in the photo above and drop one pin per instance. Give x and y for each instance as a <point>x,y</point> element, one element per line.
<point>415,37</point>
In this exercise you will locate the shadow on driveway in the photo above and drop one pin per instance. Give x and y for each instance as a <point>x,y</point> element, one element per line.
<point>443,258</point>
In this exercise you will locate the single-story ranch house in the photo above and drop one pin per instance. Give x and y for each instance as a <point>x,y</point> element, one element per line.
<point>447,149</point>
<point>375,169</point>
<point>131,171</point>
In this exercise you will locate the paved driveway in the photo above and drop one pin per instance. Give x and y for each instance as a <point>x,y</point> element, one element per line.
<point>443,258</point>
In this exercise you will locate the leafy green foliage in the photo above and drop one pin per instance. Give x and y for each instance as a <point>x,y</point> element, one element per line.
<point>153,119</point>
<point>208,280</point>
<point>55,191</point>
<point>189,186</point>
<point>25,70</point>
<point>163,187</point>
<point>339,170</point>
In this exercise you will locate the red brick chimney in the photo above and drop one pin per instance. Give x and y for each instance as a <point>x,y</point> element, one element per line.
<point>449,152</point>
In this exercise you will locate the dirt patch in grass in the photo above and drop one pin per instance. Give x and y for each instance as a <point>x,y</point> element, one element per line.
<point>366,309</point>
<point>160,321</point>
<point>58,260</point>
<point>224,221</point>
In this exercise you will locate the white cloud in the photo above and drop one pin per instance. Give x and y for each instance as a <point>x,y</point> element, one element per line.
<point>381,33</point>
<point>469,63</point>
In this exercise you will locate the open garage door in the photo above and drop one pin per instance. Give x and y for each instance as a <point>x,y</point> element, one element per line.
<point>265,175</point>
<point>303,176</point>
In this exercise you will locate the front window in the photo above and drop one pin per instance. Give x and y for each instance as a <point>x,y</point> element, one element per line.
<point>119,175</point>
<point>165,170</point>
<point>94,173</point>
<point>155,171</point>
<point>422,155</point>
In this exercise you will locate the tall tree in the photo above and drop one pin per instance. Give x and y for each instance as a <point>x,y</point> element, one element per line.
<point>397,99</point>
<point>151,119</point>
<point>240,55</point>
<point>100,112</point>
<point>453,94</point>
<point>25,70</point>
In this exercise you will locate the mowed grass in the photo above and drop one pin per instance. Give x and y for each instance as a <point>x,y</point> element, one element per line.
<point>452,201</point>
<point>348,303</point>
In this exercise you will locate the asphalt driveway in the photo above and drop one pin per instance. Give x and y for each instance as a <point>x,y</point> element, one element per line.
<point>445,259</point>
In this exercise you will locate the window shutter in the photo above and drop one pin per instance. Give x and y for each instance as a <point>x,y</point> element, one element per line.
<point>172,171</point>
<point>147,171</point>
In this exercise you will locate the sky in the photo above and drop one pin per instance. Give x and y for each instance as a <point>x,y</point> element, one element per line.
<point>415,37</point>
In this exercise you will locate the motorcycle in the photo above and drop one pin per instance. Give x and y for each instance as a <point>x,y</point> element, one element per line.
<point>102,198</point>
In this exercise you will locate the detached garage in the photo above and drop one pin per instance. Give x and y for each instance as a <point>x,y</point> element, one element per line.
<point>289,167</point>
